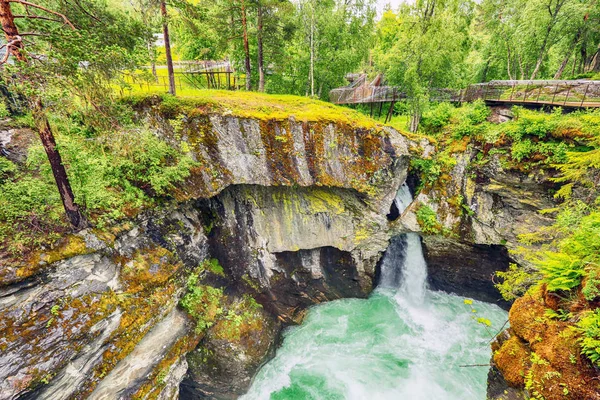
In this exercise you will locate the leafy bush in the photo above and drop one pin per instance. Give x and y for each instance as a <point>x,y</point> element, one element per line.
<point>113,175</point>
<point>3,109</point>
<point>561,271</point>
<point>118,172</point>
<point>522,149</point>
<point>589,328</point>
<point>428,221</point>
<point>7,168</point>
<point>516,281</point>
<point>477,112</point>
<point>437,117</point>
<point>431,169</point>
<point>577,255</point>
<point>203,303</point>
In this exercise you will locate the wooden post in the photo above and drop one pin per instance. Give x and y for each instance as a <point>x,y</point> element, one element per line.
<point>512,91</point>
<point>526,89</point>
<point>555,91</point>
<point>584,95</point>
<point>539,93</point>
<point>567,96</point>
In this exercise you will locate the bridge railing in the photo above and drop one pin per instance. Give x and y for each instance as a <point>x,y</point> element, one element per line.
<point>574,93</point>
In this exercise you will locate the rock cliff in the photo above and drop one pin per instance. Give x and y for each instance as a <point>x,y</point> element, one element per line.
<point>278,214</point>
<point>293,211</point>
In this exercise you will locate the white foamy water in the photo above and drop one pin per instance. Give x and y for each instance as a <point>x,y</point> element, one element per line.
<point>404,342</point>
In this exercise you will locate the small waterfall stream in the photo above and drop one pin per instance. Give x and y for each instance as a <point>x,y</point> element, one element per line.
<point>404,342</point>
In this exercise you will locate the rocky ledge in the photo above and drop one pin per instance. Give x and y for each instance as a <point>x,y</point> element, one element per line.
<point>278,215</point>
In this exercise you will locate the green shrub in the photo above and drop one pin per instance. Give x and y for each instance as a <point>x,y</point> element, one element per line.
<point>428,221</point>
<point>522,149</point>
<point>430,169</point>
<point>113,175</point>
<point>477,112</point>
<point>437,117</point>
<point>203,303</point>
<point>7,168</point>
<point>561,271</point>
<point>516,281</point>
<point>3,109</point>
<point>589,328</point>
<point>577,255</point>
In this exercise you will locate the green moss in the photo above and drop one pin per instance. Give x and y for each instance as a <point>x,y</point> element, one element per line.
<point>325,201</point>
<point>254,105</point>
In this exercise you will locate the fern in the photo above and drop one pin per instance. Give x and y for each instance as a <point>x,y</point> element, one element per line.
<point>589,328</point>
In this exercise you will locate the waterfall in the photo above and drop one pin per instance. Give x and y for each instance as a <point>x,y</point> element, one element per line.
<point>403,266</point>
<point>403,342</point>
<point>403,198</point>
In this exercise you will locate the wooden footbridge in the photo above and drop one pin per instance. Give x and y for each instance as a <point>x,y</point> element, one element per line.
<point>555,93</point>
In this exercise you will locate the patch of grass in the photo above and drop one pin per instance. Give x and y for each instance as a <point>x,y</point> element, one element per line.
<point>261,106</point>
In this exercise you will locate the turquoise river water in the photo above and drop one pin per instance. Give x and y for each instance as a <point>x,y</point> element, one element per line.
<point>404,342</point>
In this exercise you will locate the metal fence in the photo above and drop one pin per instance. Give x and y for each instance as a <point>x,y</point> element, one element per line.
<point>574,93</point>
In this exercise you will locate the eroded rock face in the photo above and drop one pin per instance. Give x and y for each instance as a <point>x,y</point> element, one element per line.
<point>295,213</point>
<point>63,331</point>
<point>317,243</point>
<point>224,363</point>
<point>465,269</point>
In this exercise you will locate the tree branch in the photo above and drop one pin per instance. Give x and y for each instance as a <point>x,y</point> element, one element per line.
<point>37,17</point>
<point>62,16</point>
<point>8,45</point>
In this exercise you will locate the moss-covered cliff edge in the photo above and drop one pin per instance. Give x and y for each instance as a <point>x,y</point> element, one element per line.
<point>248,215</point>
<point>274,215</point>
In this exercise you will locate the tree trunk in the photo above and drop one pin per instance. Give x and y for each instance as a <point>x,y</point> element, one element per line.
<point>45,132</point>
<point>508,62</point>
<point>58,169</point>
<point>595,61</point>
<point>415,119</point>
<point>312,53</point>
<point>259,42</point>
<point>171,71</point>
<point>10,31</point>
<point>246,47</point>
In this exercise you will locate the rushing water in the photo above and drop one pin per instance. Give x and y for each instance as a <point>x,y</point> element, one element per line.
<point>404,342</point>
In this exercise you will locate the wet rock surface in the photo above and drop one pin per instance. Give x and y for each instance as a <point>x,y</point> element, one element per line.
<point>293,221</point>
<point>294,212</point>
<point>465,269</point>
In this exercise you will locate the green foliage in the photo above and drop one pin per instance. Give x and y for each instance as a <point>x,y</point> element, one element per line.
<point>212,265</point>
<point>7,168</point>
<point>577,256</point>
<point>112,176</point>
<point>515,281</point>
<point>437,117</point>
<point>3,109</point>
<point>561,271</point>
<point>477,112</point>
<point>428,221</point>
<point>589,328</point>
<point>522,149</point>
<point>204,303</point>
<point>430,169</point>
